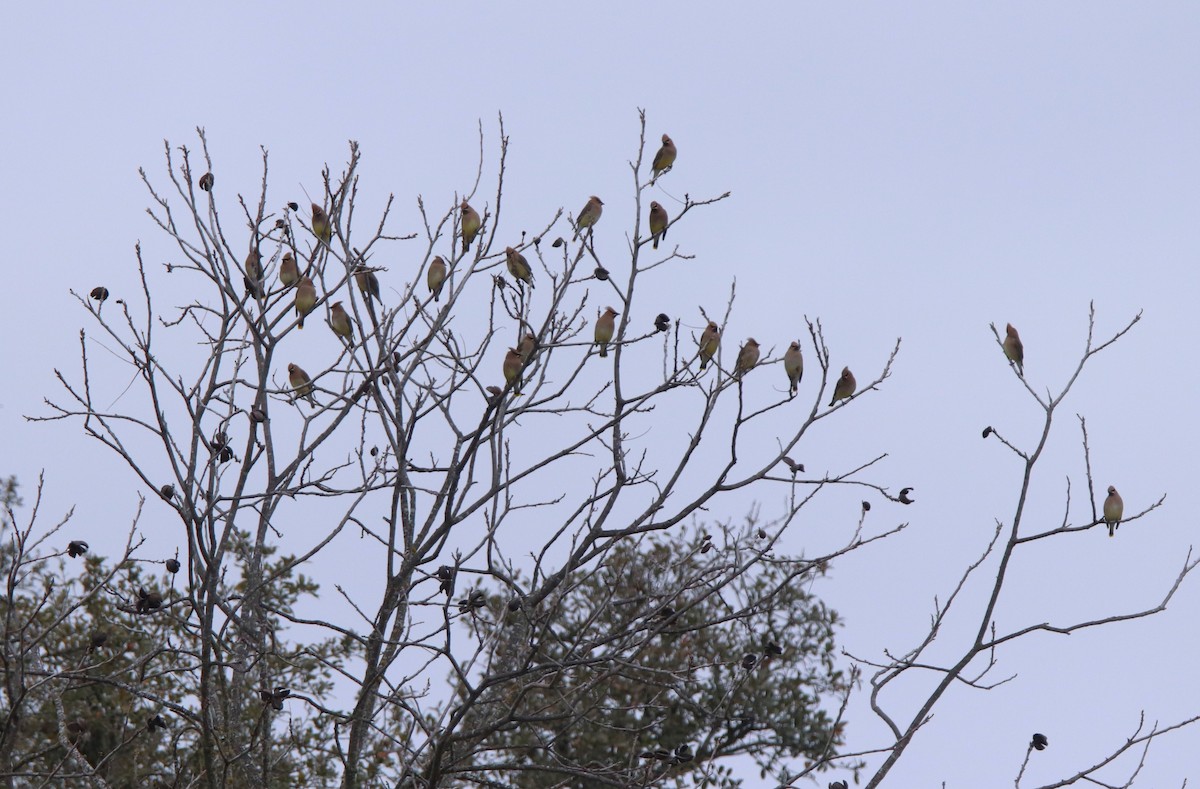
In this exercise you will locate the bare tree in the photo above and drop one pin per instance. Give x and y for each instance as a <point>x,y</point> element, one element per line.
<point>977,658</point>
<point>535,598</point>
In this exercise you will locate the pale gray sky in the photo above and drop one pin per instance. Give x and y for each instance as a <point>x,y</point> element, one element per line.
<point>898,170</point>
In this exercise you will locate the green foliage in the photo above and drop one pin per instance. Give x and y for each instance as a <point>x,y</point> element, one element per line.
<point>690,618</point>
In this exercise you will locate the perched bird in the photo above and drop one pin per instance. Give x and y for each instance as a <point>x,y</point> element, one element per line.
<point>339,320</point>
<point>512,369</point>
<point>306,298</point>
<point>435,277</point>
<point>845,386</point>
<point>289,272</point>
<point>589,215</point>
<point>1013,349</point>
<point>605,325</point>
<point>710,340</point>
<point>253,274</point>
<point>793,365</point>
<point>518,266</point>
<point>302,385</point>
<point>470,224</point>
<point>658,222</point>
<point>664,159</point>
<point>254,265</point>
<point>747,358</point>
<point>1114,508</point>
<point>368,283</point>
<point>321,227</point>
<point>528,346</point>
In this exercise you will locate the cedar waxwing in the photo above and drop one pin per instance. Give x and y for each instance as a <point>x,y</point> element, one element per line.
<point>710,340</point>
<point>793,365</point>
<point>1114,508</point>
<point>289,272</point>
<point>658,222</point>
<point>664,159</point>
<point>747,358</point>
<point>528,346</point>
<point>339,320</point>
<point>512,369</point>
<point>321,227</point>
<point>845,386</point>
<point>254,265</point>
<point>435,277</point>
<point>306,298</point>
<point>302,385</point>
<point>1014,350</point>
<point>470,224</point>
<point>518,266</point>
<point>605,325</point>
<point>368,283</point>
<point>589,215</point>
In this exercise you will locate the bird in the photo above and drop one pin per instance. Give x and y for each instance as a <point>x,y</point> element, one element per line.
<point>793,365</point>
<point>845,386</point>
<point>470,224</point>
<point>664,159</point>
<point>321,226</point>
<point>306,298</point>
<point>368,283</point>
<point>253,274</point>
<point>658,222</point>
<point>339,320</point>
<point>589,215</point>
<point>289,272</point>
<point>436,276</point>
<point>512,369</point>
<point>1114,508</point>
<point>528,346</point>
<point>710,340</point>
<point>254,265</point>
<point>518,266</point>
<point>1014,349</point>
<point>747,358</point>
<point>605,325</point>
<point>302,385</point>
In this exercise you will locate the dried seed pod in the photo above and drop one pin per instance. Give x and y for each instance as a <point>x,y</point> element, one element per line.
<point>206,182</point>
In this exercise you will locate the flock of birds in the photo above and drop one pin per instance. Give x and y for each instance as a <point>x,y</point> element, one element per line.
<point>470,222</point>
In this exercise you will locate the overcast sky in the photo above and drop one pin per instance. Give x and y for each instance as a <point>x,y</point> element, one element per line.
<point>897,170</point>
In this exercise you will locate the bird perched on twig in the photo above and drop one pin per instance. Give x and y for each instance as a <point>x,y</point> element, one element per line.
<point>470,223</point>
<point>658,222</point>
<point>321,226</point>
<point>306,298</point>
<point>435,277</point>
<point>665,158</point>
<point>605,326</point>
<point>1114,509</point>
<point>793,365</point>
<point>302,385</point>
<point>518,266</point>
<point>747,358</point>
<point>1014,349</point>
<point>845,386</point>
<point>710,341</point>
<point>589,215</point>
